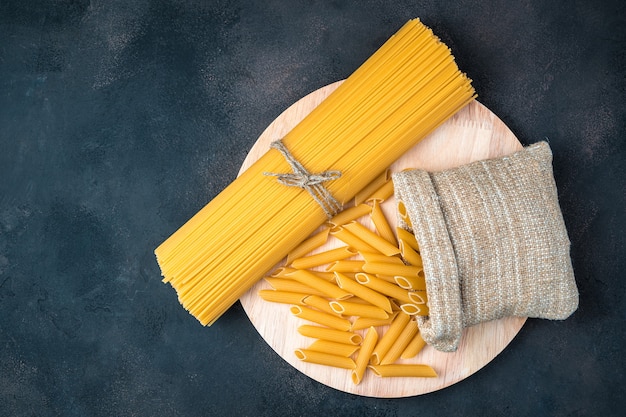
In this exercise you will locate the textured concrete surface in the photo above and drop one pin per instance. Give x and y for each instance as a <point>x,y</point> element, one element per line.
<point>120,119</point>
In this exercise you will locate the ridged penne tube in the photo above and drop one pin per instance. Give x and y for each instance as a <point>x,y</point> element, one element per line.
<point>328,288</point>
<point>333,348</point>
<point>363,292</point>
<point>346,266</point>
<point>403,340</point>
<point>381,245</point>
<point>381,224</point>
<point>290,285</point>
<point>360,310</point>
<point>327,359</point>
<point>308,245</point>
<point>402,213</point>
<point>348,215</point>
<point>415,310</point>
<point>372,187</point>
<point>281,272</point>
<point>322,258</point>
<point>283,297</point>
<point>402,370</point>
<point>319,303</point>
<point>364,322</point>
<point>390,336</point>
<point>409,254</point>
<point>414,347</point>
<point>343,234</point>
<point>364,355</point>
<point>391,269</point>
<point>327,276</point>
<point>320,317</point>
<point>418,297</point>
<point>408,238</point>
<point>371,257</point>
<point>333,335</point>
<point>382,194</point>
<point>409,282</point>
<point>383,287</point>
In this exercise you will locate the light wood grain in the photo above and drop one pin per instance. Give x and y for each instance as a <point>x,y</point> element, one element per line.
<point>474,133</point>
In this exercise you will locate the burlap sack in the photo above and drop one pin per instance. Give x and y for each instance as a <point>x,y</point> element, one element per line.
<point>493,243</point>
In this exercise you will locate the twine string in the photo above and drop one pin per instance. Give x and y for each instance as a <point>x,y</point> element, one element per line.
<point>312,183</point>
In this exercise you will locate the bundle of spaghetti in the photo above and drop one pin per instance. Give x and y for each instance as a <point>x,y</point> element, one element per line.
<point>403,92</point>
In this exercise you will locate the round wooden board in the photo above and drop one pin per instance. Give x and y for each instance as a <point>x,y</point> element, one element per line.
<point>472,134</point>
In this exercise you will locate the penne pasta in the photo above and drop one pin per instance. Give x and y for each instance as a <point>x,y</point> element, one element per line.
<point>415,310</point>
<point>320,317</point>
<point>328,288</point>
<point>372,187</point>
<point>400,370</point>
<point>322,258</point>
<point>388,339</point>
<point>371,257</point>
<point>327,359</point>
<point>403,340</point>
<point>393,269</point>
<point>381,224</point>
<point>356,309</point>
<point>410,255</point>
<point>363,292</point>
<point>341,233</point>
<point>319,303</point>
<point>283,297</point>
<point>333,348</point>
<point>328,276</point>
<point>332,335</point>
<point>346,266</point>
<point>363,357</point>
<point>308,245</point>
<point>402,214</point>
<point>350,214</point>
<point>383,287</point>
<point>414,347</point>
<point>364,322</point>
<point>418,297</point>
<point>366,235</point>
<point>408,238</point>
<point>409,282</point>
<point>382,194</point>
<point>290,285</point>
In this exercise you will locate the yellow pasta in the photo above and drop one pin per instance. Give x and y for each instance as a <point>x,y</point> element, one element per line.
<point>404,217</point>
<point>381,224</point>
<point>308,245</point>
<point>346,266</point>
<point>408,238</point>
<point>322,258</point>
<point>283,297</point>
<point>361,291</point>
<point>362,359</point>
<point>388,339</point>
<point>372,257</point>
<point>327,359</point>
<point>343,234</point>
<point>409,282</point>
<point>320,317</point>
<point>409,254</point>
<point>366,235</point>
<point>334,348</point>
<point>400,344</point>
<point>357,309</point>
<point>414,347</point>
<point>348,215</point>
<point>319,303</point>
<point>392,269</point>
<point>401,370</point>
<point>383,287</point>
<point>372,187</point>
<point>414,310</point>
<point>365,322</point>
<point>382,194</point>
<point>333,335</point>
<point>289,285</point>
<point>320,284</point>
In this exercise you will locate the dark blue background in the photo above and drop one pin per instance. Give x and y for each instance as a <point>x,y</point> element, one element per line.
<point>120,119</point>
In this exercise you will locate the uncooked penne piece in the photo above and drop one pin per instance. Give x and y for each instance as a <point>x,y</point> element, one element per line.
<point>319,303</point>
<point>382,194</point>
<point>409,254</point>
<point>343,234</point>
<point>377,284</point>
<point>391,269</point>
<point>360,310</point>
<point>366,235</point>
<point>403,340</point>
<point>418,297</point>
<point>404,216</point>
<point>322,318</point>
<point>308,245</point>
<point>414,347</point>
<point>363,292</point>
<point>403,370</point>
<point>371,257</point>
<point>372,187</point>
<point>322,258</point>
<point>328,288</point>
<point>411,282</point>
<point>284,297</point>
<point>364,322</point>
<point>350,214</point>
<point>328,276</point>
<point>408,238</point>
<point>415,310</point>
<point>381,224</point>
<point>290,285</point>
<point>327,359</point>
<point>363,357</point>
<point>390,336</point>
<point>333,348</point>
<point>346,266</point>
<point>333,335</point>
<point>281,272</point>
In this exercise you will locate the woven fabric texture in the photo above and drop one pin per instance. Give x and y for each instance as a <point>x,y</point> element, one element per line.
<point>493,243</point>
